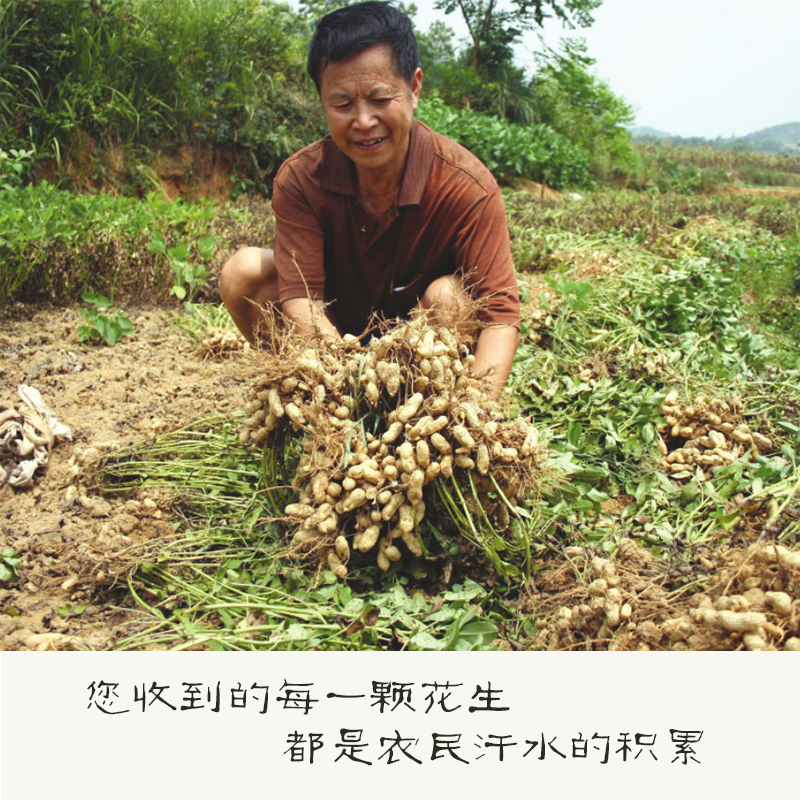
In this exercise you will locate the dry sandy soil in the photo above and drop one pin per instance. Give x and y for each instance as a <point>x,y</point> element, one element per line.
<point>110,397</point>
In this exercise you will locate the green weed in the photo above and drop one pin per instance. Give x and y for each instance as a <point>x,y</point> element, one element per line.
<point>188,278</point>
<point>102,328</point>
<point>9,564</point>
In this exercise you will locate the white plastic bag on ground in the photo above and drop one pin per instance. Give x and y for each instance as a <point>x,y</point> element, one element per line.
<point>27,435</point>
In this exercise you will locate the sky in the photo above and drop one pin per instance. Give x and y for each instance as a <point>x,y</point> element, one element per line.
<point>689,67</point>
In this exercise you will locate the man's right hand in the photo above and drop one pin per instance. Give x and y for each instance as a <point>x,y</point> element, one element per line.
<point>309,314</point>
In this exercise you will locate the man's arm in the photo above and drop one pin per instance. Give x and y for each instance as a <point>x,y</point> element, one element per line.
<point>299,249</point>
<point>483,250</point>
<point>309,314</point>
<point>494,355</point>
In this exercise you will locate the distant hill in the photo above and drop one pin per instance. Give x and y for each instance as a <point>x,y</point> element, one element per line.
<point>777,139</point>
<point>646,132</point>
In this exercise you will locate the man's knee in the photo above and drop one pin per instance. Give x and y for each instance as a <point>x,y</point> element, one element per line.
<point>446,292</point>
<point>249,273</point>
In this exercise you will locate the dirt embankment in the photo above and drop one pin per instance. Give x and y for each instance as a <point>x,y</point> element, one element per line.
<point>191,172</point>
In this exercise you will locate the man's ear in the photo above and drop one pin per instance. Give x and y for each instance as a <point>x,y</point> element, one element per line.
<point>416,86</point>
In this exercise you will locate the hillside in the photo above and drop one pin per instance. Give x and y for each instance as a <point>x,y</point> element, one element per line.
<point>786,134</point>
<point>777,138</point>
<point>645,132</point>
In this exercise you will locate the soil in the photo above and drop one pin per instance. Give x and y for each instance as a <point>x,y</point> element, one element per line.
<point>759,191</point>
<point>110,397</point>
<point>188,171</point>
<point>538,191</point>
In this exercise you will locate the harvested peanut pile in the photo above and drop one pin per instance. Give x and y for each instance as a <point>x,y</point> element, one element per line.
<point>221,342</point>
<point>654,362</point>
<point>748,600</point>
<point>381,423</point>
<point>539,320</point>
<point>588,264</point>
<point>592,372</point>
<point>704,435</point>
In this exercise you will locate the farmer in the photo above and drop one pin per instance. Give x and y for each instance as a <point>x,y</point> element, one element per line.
<point>383,214</point>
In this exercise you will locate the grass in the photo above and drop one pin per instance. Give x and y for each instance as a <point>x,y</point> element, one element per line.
<point>79,78</point>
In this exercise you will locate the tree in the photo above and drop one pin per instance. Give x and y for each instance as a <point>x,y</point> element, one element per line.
<point>314,10</point>
<point>435,46</point>
<point>575,103</point>
<point>495,27</point>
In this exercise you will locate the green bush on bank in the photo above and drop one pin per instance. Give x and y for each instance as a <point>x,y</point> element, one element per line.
<point>147,72</point>
<point>56,244</point>
<point>509,150</point>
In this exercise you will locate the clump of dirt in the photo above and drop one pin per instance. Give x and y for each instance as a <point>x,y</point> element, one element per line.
<point>191,172</point>
<point>536,191</point>
<point>737,600</point>
<point>187,171</point>
<point>110,397</point>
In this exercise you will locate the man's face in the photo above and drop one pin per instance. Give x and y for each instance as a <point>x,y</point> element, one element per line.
<point>370,109</point>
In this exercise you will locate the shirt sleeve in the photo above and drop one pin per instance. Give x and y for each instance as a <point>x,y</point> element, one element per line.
<point>299,240</point>
<point>483,256</point>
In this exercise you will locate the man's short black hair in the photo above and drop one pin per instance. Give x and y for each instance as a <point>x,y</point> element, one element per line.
<point>349,30</point>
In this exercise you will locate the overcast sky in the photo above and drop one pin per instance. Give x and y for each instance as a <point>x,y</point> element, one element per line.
<point>691,67</point>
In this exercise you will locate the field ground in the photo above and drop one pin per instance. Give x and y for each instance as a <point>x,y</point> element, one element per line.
<point>110,397</point>
<point>629,553</point>
<point>761,191</point>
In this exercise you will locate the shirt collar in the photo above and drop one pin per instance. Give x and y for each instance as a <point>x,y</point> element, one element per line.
<point>418,165</point>
<point>338,173</point>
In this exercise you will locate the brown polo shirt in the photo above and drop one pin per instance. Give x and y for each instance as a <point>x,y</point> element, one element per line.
<point>449,219</point>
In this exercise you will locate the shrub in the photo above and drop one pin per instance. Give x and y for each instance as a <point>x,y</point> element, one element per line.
<point>509,150</point>
<point>55,244</point>
<point>213,72</point>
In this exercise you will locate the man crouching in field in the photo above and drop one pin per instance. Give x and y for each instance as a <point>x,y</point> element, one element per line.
<point>383,214</point>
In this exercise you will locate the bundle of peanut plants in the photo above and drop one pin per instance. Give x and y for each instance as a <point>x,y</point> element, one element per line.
<point>382,431</point>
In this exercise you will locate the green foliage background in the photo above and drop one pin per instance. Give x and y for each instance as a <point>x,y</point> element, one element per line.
<point>84,82</point>
<point>141,73</point>
<point>85,76</point>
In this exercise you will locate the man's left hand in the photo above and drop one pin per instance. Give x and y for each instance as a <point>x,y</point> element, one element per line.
<point>495,354</point>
